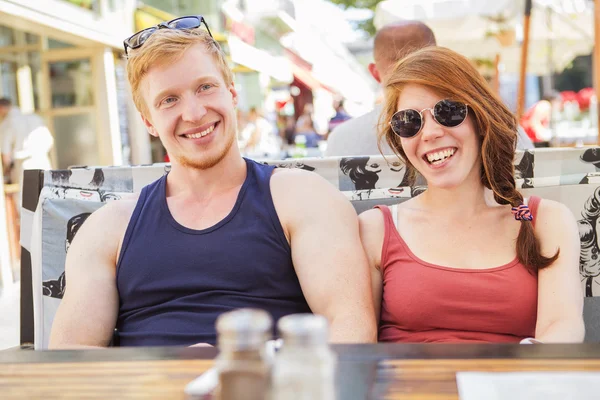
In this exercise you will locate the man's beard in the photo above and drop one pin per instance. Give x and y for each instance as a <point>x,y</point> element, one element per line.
<point>207,162</point>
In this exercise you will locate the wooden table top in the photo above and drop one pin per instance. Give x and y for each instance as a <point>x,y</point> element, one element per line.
<point>382,371</point>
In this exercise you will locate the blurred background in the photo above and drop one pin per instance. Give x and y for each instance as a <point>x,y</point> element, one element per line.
<point>296,62</point>
<point>63,59</point>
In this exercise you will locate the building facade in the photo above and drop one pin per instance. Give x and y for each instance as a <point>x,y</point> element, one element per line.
<point>63,59</point>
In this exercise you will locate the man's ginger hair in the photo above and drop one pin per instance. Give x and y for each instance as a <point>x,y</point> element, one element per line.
<point>166,46</point>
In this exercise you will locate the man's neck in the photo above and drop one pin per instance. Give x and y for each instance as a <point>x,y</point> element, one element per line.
<point>201,184</point>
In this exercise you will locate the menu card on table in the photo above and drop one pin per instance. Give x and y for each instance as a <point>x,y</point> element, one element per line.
<point>528,385</point>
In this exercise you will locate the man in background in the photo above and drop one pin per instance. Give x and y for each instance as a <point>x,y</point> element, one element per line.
<point>26,141</point>
<point>258,137</point>
<point>358,136</point>
<point>394,41</point>
<point>340,115</point>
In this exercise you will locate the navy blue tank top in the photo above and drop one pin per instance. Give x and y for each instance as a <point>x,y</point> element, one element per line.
<point>173,281</point>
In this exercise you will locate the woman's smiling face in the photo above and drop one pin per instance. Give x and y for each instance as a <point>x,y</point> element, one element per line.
<point>455,151</point>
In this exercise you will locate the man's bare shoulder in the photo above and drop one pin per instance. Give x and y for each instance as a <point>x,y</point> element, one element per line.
<point>297,181</point>
<point>112,219</point>
<point>122,207</point>
<point>299,194</point>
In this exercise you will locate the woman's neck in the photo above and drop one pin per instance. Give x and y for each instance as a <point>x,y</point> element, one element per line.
<point>461,201</point>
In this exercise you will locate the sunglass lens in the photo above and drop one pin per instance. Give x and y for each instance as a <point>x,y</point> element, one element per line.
<point>185,23</point>
<point>138,39</point>
<point>450,113</point>
<point>406,123</point>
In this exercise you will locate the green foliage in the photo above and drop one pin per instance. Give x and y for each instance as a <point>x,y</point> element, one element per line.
<point>366,25</point>
<point>370,4</point>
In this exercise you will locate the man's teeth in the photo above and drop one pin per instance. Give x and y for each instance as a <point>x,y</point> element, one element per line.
<point>440,156</point>
<point>201,134</point>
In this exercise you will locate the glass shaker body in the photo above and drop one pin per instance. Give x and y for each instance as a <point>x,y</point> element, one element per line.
<point>244,372</point>
<point>305,366</point>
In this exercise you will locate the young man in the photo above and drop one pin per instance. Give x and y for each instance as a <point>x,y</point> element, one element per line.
<point>218,232</point>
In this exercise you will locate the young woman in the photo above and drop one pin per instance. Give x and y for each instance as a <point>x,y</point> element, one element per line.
<point>469,259</point>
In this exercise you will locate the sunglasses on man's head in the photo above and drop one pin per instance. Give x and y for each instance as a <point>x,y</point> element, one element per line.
<point>408,123</point>
<point>189,22</point>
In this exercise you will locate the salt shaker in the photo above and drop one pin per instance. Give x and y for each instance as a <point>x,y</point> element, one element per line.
<point>244,372</point>
<point>304,367</point>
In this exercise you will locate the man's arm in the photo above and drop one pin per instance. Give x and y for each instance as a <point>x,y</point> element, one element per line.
<point>87,314</point>
<point>322,228</point>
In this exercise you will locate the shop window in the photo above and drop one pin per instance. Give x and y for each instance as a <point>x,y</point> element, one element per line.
<point>8,81</point>
<point>57,44</point>
<point>6,36</point>
<point>30,38</point>
<point>75,140</point>
<point>71,83</point>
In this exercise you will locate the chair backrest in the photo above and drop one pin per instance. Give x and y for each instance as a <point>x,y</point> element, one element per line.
<point>56,203</point>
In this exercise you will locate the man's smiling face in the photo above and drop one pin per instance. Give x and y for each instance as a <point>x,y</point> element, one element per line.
<point>191,109</point>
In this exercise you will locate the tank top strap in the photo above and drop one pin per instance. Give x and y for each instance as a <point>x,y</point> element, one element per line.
<point>533,203</point>
<point>141,201</point>
<point>390,218</point>
<point>261,173</point>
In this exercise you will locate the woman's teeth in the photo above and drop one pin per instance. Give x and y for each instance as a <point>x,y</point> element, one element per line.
<point>440,156</point>
<point>201,134</point>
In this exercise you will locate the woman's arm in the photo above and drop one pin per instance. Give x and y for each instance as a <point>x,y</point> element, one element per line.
<point>372,231</point>
<point>560,294</point>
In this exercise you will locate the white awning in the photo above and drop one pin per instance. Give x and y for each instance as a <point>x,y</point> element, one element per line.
<point>559,30</point>
<point>249,56</point>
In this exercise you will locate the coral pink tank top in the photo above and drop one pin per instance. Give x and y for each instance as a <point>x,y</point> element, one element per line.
<point>423,302</point>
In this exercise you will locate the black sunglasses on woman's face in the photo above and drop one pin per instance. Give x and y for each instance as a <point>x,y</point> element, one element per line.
<point>409,122</point>
<point>189,22</point>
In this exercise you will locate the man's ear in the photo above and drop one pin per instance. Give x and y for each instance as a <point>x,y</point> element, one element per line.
<point>234,94</point>
<point>374,72</point>
<point>149,126</point>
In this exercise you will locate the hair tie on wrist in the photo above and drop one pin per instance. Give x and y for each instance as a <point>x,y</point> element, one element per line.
<point>522,213</point>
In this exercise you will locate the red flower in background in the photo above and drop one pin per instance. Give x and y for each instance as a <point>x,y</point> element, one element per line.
<point>584,96</point>
<point>568,95</point>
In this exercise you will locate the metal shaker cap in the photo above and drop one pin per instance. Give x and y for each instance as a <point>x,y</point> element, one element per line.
<point>304,329</point>
<point>244,328</point>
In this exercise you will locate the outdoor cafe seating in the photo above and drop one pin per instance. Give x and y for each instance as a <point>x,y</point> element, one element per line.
<point>53,201</point>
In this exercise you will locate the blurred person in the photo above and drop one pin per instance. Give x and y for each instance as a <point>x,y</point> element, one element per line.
<point>469,259</point>
<point>358,136</point>
<point>5,107</point>
<point>537,119</point>
<point>258,137</point>
<point>305,126</point>
<point>216,233</point>
<point>290,129</point>
<point>340,115</point>
<point>26,141</point>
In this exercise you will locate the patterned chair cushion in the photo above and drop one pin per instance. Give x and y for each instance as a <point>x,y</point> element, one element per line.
<point>570,176</point>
